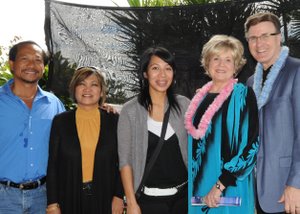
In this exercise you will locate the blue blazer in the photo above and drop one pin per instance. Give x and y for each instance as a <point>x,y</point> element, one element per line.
<point>278,159</point>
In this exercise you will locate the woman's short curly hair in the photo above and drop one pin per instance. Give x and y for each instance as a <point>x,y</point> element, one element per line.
<point>220,43</point>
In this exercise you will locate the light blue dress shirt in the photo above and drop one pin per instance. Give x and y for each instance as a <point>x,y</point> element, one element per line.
<point>24,134</point>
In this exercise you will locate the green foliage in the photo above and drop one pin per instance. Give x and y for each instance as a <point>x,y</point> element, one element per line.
<point>58,77</point>
<point>4,77</point>
<point>60,74</point>
<point>116,93</point>
<point>3,60</point>
<point>5,74</point>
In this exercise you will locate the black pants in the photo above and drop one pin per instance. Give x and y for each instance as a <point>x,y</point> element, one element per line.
<point>177,204</point>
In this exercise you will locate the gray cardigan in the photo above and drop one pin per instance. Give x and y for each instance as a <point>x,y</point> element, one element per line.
<point>133,135</point>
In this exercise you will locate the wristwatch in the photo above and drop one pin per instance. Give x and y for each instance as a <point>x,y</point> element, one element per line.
<point>218,186</point>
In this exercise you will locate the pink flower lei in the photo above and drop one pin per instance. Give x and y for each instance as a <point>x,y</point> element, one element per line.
<point>210,111</point>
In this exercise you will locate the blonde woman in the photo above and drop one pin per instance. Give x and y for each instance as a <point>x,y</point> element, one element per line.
<point>222,122</point>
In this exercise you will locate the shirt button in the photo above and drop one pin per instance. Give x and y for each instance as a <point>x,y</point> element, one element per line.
<point>31,148</point>
<point>31,164</point>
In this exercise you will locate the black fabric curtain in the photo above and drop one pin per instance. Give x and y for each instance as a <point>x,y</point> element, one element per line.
<point>112,38</point>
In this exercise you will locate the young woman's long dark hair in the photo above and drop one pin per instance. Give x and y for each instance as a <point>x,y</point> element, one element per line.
<point>144,97</point>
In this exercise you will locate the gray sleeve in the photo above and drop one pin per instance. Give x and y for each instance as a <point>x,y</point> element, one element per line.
<point>184,103</point>
<point>124,139</point>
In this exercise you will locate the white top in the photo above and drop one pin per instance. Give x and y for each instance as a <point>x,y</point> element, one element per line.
<point>156,126</point>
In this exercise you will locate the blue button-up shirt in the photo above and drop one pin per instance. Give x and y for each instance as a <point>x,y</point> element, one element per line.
<point>24,134</point>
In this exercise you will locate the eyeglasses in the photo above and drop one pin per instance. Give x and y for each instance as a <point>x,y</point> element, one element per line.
<point>264,37</point>
<point>88,67</point>
<point>94,69</point>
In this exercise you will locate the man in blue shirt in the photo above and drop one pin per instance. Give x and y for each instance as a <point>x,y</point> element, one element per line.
<point>25,121</point>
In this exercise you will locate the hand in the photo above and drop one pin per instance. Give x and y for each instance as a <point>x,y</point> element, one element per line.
<point>53,209</point>
<point>109,108</point>
<point>133,209</point>
<point>212,199</point>
<point>291,200</point>
<point>117,205</point>
<point>56,211</point>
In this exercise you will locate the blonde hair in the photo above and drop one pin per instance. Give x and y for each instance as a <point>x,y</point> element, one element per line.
<point>220,43</point>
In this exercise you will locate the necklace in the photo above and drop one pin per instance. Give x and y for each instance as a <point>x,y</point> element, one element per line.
<point>210,111</point>
<point>26,98</point>
<point>263,92</point>
<point>22,97</point>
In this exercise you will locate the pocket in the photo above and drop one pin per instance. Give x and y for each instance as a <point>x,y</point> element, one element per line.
<point>285,161</point>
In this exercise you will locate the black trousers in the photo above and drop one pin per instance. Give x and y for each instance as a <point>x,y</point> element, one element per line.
<point>177,204</point>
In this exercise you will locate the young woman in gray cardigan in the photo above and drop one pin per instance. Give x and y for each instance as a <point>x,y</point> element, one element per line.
<point>139,128</point>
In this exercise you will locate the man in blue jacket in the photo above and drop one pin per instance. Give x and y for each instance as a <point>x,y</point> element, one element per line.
<point>276,83</point>
<point>25,121</point>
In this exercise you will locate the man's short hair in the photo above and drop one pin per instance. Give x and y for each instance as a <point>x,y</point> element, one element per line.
<point>14,50</point>
<point>262,17</point>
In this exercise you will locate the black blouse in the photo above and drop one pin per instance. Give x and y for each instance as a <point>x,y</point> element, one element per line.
<point>169,169</point>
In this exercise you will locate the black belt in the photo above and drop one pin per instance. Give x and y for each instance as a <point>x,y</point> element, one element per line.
<point>87,188</point>
<point>26,186</point>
